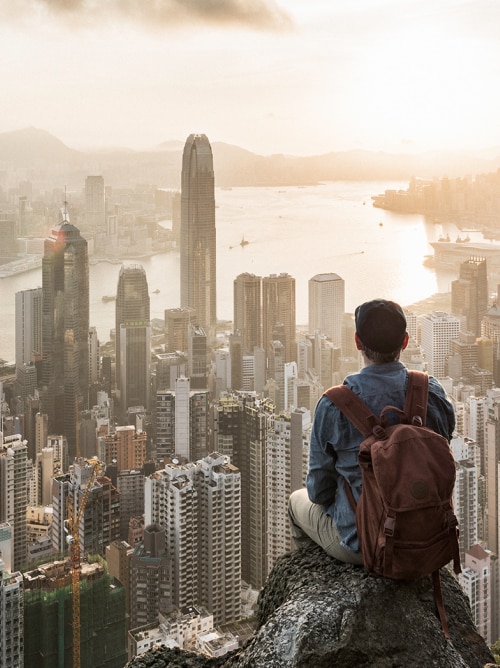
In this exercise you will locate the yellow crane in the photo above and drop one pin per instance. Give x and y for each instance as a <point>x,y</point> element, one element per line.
<point>73,540</point>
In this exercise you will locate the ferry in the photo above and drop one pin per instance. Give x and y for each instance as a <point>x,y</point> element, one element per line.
<point>452,254</point>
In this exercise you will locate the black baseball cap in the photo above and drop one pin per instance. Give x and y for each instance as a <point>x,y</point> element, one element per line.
<point>381,325</point>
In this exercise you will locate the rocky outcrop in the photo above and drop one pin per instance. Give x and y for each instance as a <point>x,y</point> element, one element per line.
<point>317,612</point>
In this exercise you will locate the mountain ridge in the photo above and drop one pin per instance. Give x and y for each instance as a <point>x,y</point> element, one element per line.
<point>32,148</point>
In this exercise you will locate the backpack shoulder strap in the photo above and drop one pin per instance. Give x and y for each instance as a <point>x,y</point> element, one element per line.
<point>416,396</point>
<point>353,407</point>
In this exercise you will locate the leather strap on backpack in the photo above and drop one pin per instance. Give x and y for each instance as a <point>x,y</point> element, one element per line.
<point>354,408</point>
<point>416,396</point>
<point>357,412</point>
<point>438,599</point>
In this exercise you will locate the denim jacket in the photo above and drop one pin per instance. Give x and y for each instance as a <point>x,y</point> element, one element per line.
<point>334,445</point>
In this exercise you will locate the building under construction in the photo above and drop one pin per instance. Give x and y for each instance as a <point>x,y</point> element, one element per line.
<point>48,616</point>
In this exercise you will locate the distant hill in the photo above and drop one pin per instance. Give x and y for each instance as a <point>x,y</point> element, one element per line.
<point>233,165</point>
<point>31,147</point>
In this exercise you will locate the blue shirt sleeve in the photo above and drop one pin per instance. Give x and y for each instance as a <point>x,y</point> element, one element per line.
<point>321,481</point>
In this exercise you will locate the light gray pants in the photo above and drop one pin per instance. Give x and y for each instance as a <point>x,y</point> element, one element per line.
<point>310,524</point>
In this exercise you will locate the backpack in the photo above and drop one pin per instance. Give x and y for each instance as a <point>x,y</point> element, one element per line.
<point>404,518</point>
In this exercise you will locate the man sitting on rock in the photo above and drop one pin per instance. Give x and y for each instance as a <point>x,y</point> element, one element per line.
<point>321,512</point>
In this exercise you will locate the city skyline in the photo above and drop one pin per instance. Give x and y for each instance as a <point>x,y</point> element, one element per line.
<point>270,76</point>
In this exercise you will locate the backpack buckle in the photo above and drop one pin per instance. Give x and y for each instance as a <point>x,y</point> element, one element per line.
<point>389,524</point>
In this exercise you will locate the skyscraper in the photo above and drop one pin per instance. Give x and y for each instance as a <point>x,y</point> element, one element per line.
<point>95,204</point>
<point>438,329</point>
<point>28,326</point>
<point>248,311</point>
<point>177,321</point>
<point>65,328</point>
<point>198,238</point>
<point>133,338</point>
<point>278,306</point>
<point>469,293</point>
<point>327,306</point>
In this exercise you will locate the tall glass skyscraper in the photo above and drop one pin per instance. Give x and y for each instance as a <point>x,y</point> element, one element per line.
<point>197,245</point>
<point>65,329</point>
<point>133,338</point>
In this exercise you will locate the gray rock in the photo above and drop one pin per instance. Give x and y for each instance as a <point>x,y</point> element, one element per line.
<point>317,612</point>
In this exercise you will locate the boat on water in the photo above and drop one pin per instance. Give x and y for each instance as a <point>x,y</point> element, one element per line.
<point>242,243</point>
<point>156,292</point>
<point>108,298</point>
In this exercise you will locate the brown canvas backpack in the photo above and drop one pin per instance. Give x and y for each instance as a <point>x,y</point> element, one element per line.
<point>405,521</point>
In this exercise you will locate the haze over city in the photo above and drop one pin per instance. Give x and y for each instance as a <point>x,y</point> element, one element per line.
<point>273,77</point>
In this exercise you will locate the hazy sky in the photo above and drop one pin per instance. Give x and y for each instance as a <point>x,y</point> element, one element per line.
<point>273,76</point>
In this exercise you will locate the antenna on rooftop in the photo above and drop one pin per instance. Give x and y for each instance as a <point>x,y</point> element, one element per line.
<point>64,210</point>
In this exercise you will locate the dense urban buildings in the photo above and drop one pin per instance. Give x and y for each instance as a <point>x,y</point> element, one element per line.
<point>198,236</point>
<point>200,428</point>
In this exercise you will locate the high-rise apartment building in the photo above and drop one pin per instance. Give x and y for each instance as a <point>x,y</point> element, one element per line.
<point>276,373</point>
<point>492,458</point>
<point>437,330</point>
<point>478,579</point>
<point>95,204</point>
<point>465,492</point>
<point>150,578</point>
<point>8,234</point>
<point>130,485</point>
<point>133,338</point>
<point>219,537</point>
<point>118,557</point>
<point>13,493</point>
<point>28,326</point>
<point>100,519</point>
<point>171,501</point>
<point>169,367</point>
<point>199,507</point>
<point>490,331</point>
<point>247,318</point>
<point>198,236</point>
<point>469,293</point>
<point>197,357</point>
<point>65,329</point>
<point>287,440</point>
<point>182,422</point>
<point>125,446</point>
<point>239,426</point>
<point>11,619</point>
<point>327,306</point>
<point>278,309</point>
<point>476,416</point>
<point>94,357</point>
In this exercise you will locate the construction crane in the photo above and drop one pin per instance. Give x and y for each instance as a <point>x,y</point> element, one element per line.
<point>73,539</point>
